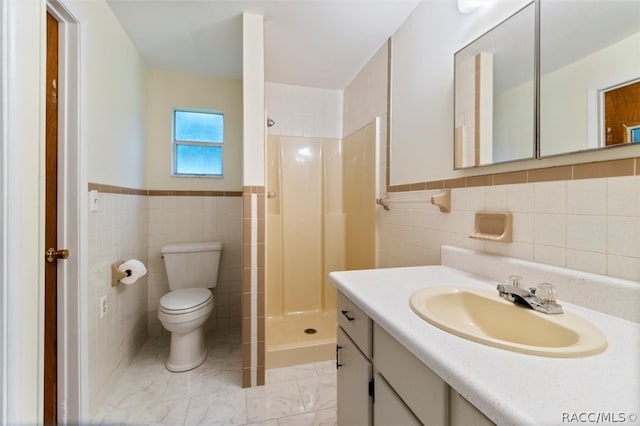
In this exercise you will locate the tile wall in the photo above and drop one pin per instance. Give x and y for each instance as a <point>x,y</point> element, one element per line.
<point>117,231</point>
<point>253,285</point>
<point>197,218</point>
<point>590,224</point>
<point>134,223</point>
<point>304,111</point>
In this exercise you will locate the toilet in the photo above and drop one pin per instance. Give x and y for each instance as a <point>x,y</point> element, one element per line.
<point>192,270</point>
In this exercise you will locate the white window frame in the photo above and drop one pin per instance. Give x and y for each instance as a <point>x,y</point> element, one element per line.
<point>175,143</point>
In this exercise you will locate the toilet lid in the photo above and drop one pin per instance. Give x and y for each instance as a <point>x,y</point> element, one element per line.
<point>185,299</point>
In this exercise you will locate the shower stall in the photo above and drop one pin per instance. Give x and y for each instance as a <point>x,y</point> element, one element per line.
<point>320,218</point>
<point>305,240</point>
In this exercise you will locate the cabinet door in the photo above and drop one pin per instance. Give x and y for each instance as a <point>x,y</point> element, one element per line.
<point>463,413</point>
<point>388,408</point>
<point>355,323</point>
<point>423,391</point>
<point>354,375</point>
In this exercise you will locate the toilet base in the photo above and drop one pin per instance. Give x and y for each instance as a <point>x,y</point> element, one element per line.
<point>187,351</point>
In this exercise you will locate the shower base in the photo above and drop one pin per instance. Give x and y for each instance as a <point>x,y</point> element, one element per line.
<point>300,339</point>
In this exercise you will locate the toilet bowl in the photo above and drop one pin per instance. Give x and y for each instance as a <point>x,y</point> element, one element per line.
<point>192,270</point>
<point>183,313</point>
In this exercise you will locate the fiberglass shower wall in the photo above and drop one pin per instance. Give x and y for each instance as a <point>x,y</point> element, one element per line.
<point>305,224</point>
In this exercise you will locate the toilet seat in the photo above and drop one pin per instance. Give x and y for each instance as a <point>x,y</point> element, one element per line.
<point>185,300</point>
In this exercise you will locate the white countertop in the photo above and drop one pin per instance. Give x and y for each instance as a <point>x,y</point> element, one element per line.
<point>508,387</point>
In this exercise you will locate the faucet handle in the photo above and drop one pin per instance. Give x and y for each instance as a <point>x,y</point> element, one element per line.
<point>547,293</point>
<point>515,280</point>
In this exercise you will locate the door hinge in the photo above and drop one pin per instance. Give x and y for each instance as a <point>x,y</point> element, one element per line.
<point>372,390</point>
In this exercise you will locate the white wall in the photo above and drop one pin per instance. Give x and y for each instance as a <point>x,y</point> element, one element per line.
<point>167,90</point>
<point>253,100</point>
<point>22,214</point>
<point>112,120</point>
<point>113,74</point>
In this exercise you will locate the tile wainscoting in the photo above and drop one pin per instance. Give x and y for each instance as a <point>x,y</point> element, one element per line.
<point>136,223</point>
<point>117,231</point>
<point>590,225</point>
<point>253,286</point>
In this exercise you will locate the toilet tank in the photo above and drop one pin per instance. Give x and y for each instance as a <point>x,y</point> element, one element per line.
<point>191,265</point>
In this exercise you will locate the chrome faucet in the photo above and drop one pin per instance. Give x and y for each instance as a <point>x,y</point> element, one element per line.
<point>544,303</point>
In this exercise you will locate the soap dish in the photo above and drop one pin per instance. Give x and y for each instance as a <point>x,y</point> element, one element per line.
<point>493,226</point>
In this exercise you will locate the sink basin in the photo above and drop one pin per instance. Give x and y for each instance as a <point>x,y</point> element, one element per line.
<point>484,317</point>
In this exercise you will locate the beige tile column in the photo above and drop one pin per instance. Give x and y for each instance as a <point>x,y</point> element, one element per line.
<point>253,286</point>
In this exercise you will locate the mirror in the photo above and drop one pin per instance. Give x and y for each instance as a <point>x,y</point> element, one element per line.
<point>494,100</point>
<point>589,75</point>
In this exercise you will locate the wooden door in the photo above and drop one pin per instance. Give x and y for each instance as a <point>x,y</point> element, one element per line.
<point>51,235</point>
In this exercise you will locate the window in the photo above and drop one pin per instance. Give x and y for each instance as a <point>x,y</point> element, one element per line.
<point>197,143</point>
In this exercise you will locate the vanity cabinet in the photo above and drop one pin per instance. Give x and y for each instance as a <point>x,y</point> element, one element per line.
<point>354,377</point>
<point>463,413</point>
<point>423,391</point>
<point>381,383</point>
<point>353,361</point>
<point>389,409</point>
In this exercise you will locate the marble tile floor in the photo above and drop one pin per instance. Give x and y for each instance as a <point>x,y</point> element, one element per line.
<point>148,394</point>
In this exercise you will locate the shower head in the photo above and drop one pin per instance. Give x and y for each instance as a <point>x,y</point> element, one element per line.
<point>270,122</point>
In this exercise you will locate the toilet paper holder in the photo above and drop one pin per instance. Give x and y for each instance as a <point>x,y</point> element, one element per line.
<point>116,274</point>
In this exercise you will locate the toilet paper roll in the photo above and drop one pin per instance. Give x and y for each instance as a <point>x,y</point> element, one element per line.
<point>134,269</point>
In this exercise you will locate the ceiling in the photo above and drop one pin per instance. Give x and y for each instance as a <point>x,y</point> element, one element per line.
<point>313,43</point>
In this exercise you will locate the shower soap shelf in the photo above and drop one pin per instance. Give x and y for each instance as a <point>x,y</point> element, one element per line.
<point>493,226</point>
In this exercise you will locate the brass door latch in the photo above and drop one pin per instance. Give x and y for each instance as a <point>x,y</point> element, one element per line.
<point>53,254</point>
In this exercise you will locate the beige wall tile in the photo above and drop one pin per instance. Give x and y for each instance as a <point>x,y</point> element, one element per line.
<point>520,198</point>
<point>623,196</point>
<point>550,174</point>
<point>623,235</point>
<point>587,233</point>
<point>118,231</point>
<point>484,180</point>
<point>550,230</point>
<point>523,227</point>
<point>195,218</point>
<point>495,198</point>
<point>624,267</point>
<point>509,178</point>
<point>471,199</point>
<point>550,197</point>
<point>521,250</point>
<point>587,261</point>
<point>579,224</point>
<point>588,196</point>
<point>550,255</point>
<point>611,168</point>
